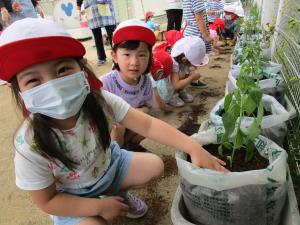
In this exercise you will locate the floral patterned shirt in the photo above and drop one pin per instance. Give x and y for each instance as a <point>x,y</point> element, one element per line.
<point>35,172</point>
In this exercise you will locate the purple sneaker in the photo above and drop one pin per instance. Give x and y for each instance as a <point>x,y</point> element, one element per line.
<point>137,208</point>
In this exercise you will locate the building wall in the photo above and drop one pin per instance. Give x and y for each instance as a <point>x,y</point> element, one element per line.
<point>136,8</point>
<point>124,9</point>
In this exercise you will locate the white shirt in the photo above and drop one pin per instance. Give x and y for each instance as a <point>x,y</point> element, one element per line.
<point>35,172</point>
<point>173,4</point>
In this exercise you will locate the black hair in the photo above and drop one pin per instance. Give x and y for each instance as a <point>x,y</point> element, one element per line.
<point>47,140</point>
<point>132,45</point>
<point>179,58</point>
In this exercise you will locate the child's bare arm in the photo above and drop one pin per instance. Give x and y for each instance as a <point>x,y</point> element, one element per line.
<point>179,84</point>
<point>202,26</point>
<point>163,133</point>
<point>61,204</point>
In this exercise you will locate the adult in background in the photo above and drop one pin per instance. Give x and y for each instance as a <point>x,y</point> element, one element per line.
<point>12,11</point>
<point>100,13</point>
<point>194,12</point>
<point>214,9</point>
<point>174,14</point>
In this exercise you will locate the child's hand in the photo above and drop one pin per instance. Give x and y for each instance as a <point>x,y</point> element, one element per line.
<point>113,209</point>
<point>5,16</point>
<point>202,158</point>
<point>194,74</point>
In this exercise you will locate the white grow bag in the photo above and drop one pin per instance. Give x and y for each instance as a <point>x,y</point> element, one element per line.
<point>235,198</point>
<point>273,85</point>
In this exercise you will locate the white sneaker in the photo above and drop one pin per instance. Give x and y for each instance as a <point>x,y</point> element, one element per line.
<point>186,97</point>
<point>176,101</point>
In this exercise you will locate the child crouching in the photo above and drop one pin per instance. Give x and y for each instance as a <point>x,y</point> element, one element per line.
<point>188,53</point>
<point>161,79</point>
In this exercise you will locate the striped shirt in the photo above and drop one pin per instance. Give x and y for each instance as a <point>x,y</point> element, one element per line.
<point>190,8</point>
<point>100,13</point>
<point>217,6</point>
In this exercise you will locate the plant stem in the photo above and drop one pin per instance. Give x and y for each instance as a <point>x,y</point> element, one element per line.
<point>232,156</point>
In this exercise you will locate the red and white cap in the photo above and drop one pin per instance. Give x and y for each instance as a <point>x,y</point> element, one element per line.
<point>147,15</point>
<point>230,9</point>
<point>236,8</point>
<point>31,41</point>
<point>133,30</point>
<point>172,36</point>
<point>193,48</point>
<point>162,61</point>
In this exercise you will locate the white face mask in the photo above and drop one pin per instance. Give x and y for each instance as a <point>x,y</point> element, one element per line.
<point>228,17</point>
<point>60,98</point>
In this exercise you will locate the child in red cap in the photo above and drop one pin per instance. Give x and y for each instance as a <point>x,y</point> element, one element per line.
<point>172,36</point>
<point>132,54</point>
<point>162,86</point>
<point>216,29</point>
<point>64,156</point>
<point>149,16</point>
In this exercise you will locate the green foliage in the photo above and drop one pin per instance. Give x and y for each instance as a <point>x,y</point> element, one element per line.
<point>246,100</point>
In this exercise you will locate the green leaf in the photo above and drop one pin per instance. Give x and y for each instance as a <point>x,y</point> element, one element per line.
<point>256,95</point>
<point>238,139</point>
<point>227,145</point>
<point>260,113</point>
<point>229,119</point>
<point>235,110</point>
<point>227,101</point>
<point>240,82</point>
<point>249,105</point>
<point>249,150</point>
<point>237,96</point>
<point>220,150</point>
<point>253,130</point>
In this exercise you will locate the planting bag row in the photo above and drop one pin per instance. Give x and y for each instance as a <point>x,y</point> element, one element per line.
<point>273,126</point>
<point>249,198</point>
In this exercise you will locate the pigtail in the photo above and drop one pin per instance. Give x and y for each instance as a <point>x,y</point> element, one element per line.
<point>93,107</point>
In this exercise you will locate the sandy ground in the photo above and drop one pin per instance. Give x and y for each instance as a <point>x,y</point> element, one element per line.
<point>17,209</point>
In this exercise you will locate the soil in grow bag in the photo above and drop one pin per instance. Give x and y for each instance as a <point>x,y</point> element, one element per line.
<point>239,165</point>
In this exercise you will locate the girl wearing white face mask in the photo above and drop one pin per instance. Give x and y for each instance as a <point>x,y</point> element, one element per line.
<point>230,19</point>
<point>64,155</point>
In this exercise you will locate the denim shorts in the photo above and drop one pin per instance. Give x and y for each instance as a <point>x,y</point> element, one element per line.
<point>109,184</point>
